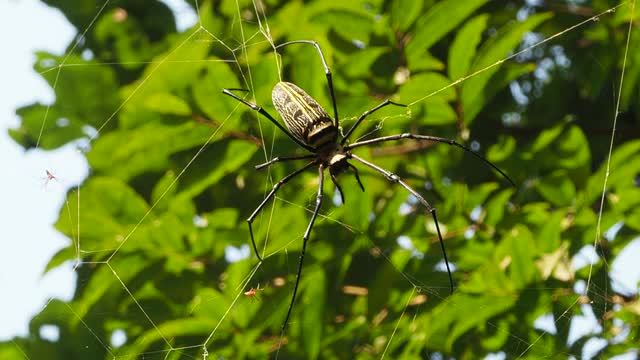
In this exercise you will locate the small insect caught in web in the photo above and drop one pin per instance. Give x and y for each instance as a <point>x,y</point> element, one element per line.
<point>50,175</point>
<point>49,178</point>
<point>253,293</point>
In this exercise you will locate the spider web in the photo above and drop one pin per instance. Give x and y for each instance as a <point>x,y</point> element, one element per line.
<point>238,50</point>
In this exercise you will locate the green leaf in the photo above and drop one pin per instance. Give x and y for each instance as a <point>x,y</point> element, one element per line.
<point>164,189</point>
<point>427,62</point>
<point>127,153</point>
<point>476,311</point>
<point>174,72</point>
<point>387,220</point>
<point>307,72</point>
<point>519,247</point>
<point>546,137</point>
<point>207,91</point>
<point>573,150</point>
<point>236,154</point>
<point>63,255</point>
<point>626,198</point>
<point>445,327</point>
<point>107,209</point>
<point>437,22</point>
<point>622,156</point>
<point>497,205</point>
<point>169,329</point>
<point>497,336</point>
<point>131,45</point>
<point>209,303</point>
<point>45,126</point>
<point>404,13</point>
<point>361,62</point>
<point>633,220</point>
<point>632,75</point>
<point>86,93</point>
<point>500,81</point>
<point>106,280</point>
<point>478,195</point>
<point>491,267</point>
<point>348,23</point>
<point>165,103</point>
<point>314,309</point>
<point>557,188</point>
<point>14,349</point>
<point>502,150</point>
<point>549,236</point>
<point>474,96</point>
<point>425,83</point>
<point>463,49</point>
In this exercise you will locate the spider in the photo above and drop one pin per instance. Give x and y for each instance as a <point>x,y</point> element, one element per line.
<point>49,177</point>
<point>311,127</point>
<point>253,293</point>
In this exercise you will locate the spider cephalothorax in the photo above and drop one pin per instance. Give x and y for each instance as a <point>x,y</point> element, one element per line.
<point>309,126</point>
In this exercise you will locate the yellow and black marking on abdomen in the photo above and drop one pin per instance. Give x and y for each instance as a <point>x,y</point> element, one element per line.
<point>303,116</point>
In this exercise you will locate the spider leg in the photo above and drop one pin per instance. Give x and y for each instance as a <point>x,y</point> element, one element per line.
<point>335,182</point>
<point>355,171</point>
<point>396,179</point>
<point>428,138</point>
<point>304,243</point>
<point>327,72</point>
<point>367,113</point>
<point>265,114</point>
<point>282,159</point>
<point>275,188</point>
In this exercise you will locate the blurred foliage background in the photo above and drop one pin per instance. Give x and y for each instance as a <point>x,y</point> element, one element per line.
<point>155,227</point>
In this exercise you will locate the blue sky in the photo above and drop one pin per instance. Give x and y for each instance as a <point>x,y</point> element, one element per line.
<point>28,202</point>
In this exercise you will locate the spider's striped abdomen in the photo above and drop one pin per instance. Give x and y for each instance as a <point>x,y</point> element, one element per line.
<point>303,116</point>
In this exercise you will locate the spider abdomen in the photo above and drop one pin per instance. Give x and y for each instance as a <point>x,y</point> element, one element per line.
<point>303,116</point>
